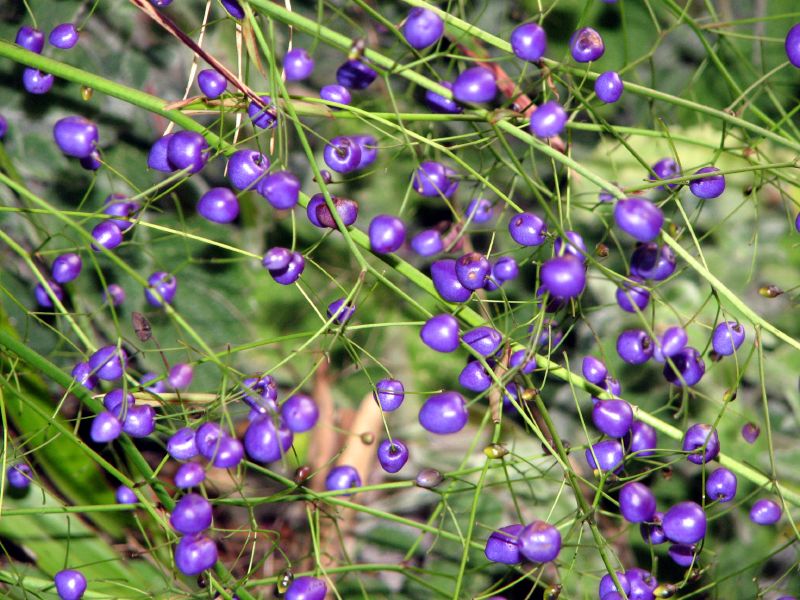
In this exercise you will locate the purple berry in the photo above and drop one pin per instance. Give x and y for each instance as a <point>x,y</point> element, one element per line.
<point>187,150</point>
<point>246,169</point>
<point>108,363</point>
<point>750,432</point>
<point>586,45</point>
<point>159,387</point>
<point>539,542</point>
<point>682,555</point>
<point>563,276</point>
<point>64,36</point>
<point>427,243</point>
<point>3,127</point>
<point>342,154</point>
<point>529,42</point>
<point>446,282</point>
<point>688,369</point>
<point>643,584</point>
<point>701,442</point>
<point>182,445</point>
<point>527,229</point>
<point>440,104</point>
<point>609,455</point>
<point>594,370</point>
<point>125,495</point>
<point>106,235</point>
<point>673,341</point>
<point>389,393</point>
<point>392,455</point>
<point>157,158</point>
<point>291,272</point>
<point>710,186</point>
<point>444,413</point>
<point>639,218</point>
<point>281,189</point>
<point>484,340</point>
<point>346,209</point>
<point>192,514</point>
<point>612,417</point>
<point>548,120</point>
<point>422,28</point>
<point>30,38</point>
<point>634,346</point>
<point>341,311</point>
<point>355,75</point>
<point>82,373</point>
<point>501,546</point>
<point>505,269</point>
<point>472,269</point>
<point>43,297</point>
<point>233,8</point>
<point>105,428</point>
<point>262,115</point>
<point>433,179</point>
<point>118,205</point>
<point>609,87</point>
<point>114,400</point>
<point>441,333</point>
<point>180,376</point>
<point>265,442</point>
<point>386,234</point>
<point>218,205</point>
<point>650,262</point>
<point>189,475</point>
<point>653,532</point>
<point>637,503</point>
<point>727,337</point>
<point>75,136</point>
<point>476,84</point>
<point>721,485</point>
<point>642,439</point>
<point>70,584</point>
<point>140,421</point>
<point>574,245</point>
<point>666,168</point>
<point>765,512</point>
<point>479,210</point>
<point>791,45</point>
<point>685,523</point>
<point>212,83</point>
<point>343,477</point>
<point>607,585</point>
<point>474,377</point>
<point>335,93</point>
<point>369,149</point>
<point>36,82</point>
<point>229,453</point>
<point>207,439</point>
<point>298,64</point>
<point>161,288</point>
<point>631,298</point>
<point>306,588</point>
<point>19,476</point>
<point>194,554</point>
<point>299,413</point>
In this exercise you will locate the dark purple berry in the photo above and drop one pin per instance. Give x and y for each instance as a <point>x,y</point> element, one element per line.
<point>182,445</point>
<point>194,554</point>
<point>264,442</point>
<point>476,84</point>
<point>727,337</point>
<point>479,210</point>
<point>474,377</point>
<point>527,229</point>
<point>229,453</point>
<point>292,271</point>
<point>307,588</point>
<point>335,93</point>
<point>446,282</point>
<point>666,168</point>
<point>392,455</point>
<point>607,585</point>
<point>369,149</point>
<point>529,42</point>
<point>140,421</point>
<point>440,104</point>
<point>642,439</point>
<point>389,393</point>
<point>19,476</point>
<point>161,288</point>
<point>673,341</point>
<point>548,120</point>
<point>36,82</point>
<point>108,363</point>
<point>106,235</point>
<point>343,477</point>
<point>750,432</point>
<point>710,186</point>
<point>594,370</point>
<point>685,523</point>
<point>653,532</point>
<point>433,179</point>
<point>342,154</point>
<point>563,276</point>
<point>574,245</point>
<point>612,417</point>
<point>341,311</point>
<point>114,400</point>
<point>632,298</point>
<point>299,413</point>
<point>82,373</point>
<point>125,495</point>
<point>639,218</point>
<point>262,115</point>
<point>444,413</point>
<point>386,234</point>
<point>192,514</point>
<point>441,333</point>
<point>586,45</point>
<point>70,584</point>
<point>422,28</point>
<point>765,512</point>
<point>608,453</point>
<point>637,503</point>
<point>157,158</point>
<point>218,205</point>
<point>212,83</point>
<point>688,369</point>
<point>298,64</point>
<point>472,269</point>
<point>682,555</point>
<point>105,428</point>
<point>505,269</point>
<point>539,542</point>
<point>346,209</point>
<point>246,169</point>
<point>484,340</point>
<point>701,442</point>
<point>64,36</point>
<point>634,346</point>
<point>117,205</point>
<point>355,75</point>
<point>233,8</point>
<point>281,189</point>
<point>608,87</point>
<point>501,546</point>
<point>43,297</point>
<point>189,475</point>
<point>30,38</point>
<point>791,45</point>
<point>721,485</point>
<point>75,136</point>
<point>187,150</point>
<point>427,243</point>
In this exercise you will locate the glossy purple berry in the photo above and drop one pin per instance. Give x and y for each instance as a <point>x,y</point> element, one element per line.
<point>639,218</point>
<point>501,546</point>
<point>637,503</point>
<point>446,282</point>
<point>673,341</point>
<point>666,168</point>
<point>433,179</point>
<point>607,585</point>
<point>192,514</point>
<point>108,362</point>
<point>721,485</point>
<point>632,298</point>
<point>114,400</point>
<point>474,377</point>
<point>106,234</point>
<point>19,476</point>
<point>634,346</point>
<point>194,554</point>
<point>612,417</point>
<point>207,439</point>
<point>180,376</point>
<point>298,64</point>
<point>125,495</point>
<point>440,104</point>
<point>335,93</point>
<point>574,245</point>
<point>307,588</point>
<point>218,205</point>
<point>484,340</point>
<point>342,154</point>
<point>586,45</point>
<point>187,150</point>
<point>228,452</point>
<point>611,385</point>
<point>105,428</point>
<point>117,205</point>
<point>427,242</point>
<point>539,542</point>
<point>472,269</point>
<point>262,114</point>
<point>189,475</point>
<point>182,445</point>
<point>299,413</point>
<point>140,421</point>
<point>710,186</point>
<point>389,393</point>
<point>386,234</point>
<point>701,442</point>
<point>355,75</point>
<point>346,209</point>
<point>157,158</point>
<point>650,262</point>
<point>529,42</point>
<point>82,373</point>
<point>422,28</point>
<point>727,337</point>
<point>70,584</point>
<point>608,453</point>
<point>750,432</point>
<point>563,276</point>
<point>341,311</point>
<point>548,120</point>
<point>685,367</point>
<point>161,289</point>
<point>292,272</point>
<point>281,189</point>
<point>30,38</point>
<point>343,477</point>
<point>653,532</point>
<point>642,439</point>
<point>791,45</point>
<point>505,269</point>
<point>75,136</point>
<point>212,83</point>
<point>642,583</point>
<point>479,210</point>
<point>594,370</point>
<point>392,455</point>
<point>246,169</point>
<point>440,333</point>
<point>765,512</point>
<point>527,229</point>
<point>369,149</point>
<point>682,555</point>
<point>444,413</point>
<point>265,442</point>
<point>148,382</point>
<point>233,8</point>
<point>64,36</point>
<point>36,82</point>
<point>685,523</point>
<point>42,296</point>
<point>476,84</point>
<point>609,87</point>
